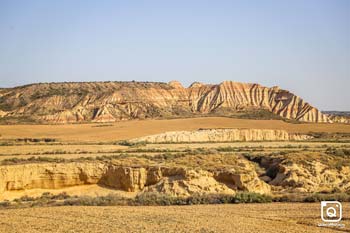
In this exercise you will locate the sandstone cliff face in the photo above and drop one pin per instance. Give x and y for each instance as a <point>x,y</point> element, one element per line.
<point>246,182</point>
<point>175,181</point>
<point>184,182</point>
<point>312,177</point>
<point>49,175</point>
<point>222,135</point>
<point>115,101</point>
<point>309,173</point>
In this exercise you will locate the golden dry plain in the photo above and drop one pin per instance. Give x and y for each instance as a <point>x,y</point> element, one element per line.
<point>80,150</point>
<point>137,128</point>
<point>92,140</point>
<point>232,218</point>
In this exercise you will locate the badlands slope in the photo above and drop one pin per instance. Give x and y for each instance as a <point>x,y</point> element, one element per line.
<point>116,101</point>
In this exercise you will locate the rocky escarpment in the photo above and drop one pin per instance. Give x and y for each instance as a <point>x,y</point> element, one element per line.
<point>177,181</point>
<point>115,101</point>
<point>49,175</point>
<point>313,176</point>
<point>306,172</point>
<point>302,172</point>
<point>222,135</point>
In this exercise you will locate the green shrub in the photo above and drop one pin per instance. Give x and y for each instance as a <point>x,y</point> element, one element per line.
<point>132,144</point>
<point>248,197</point>
<point>155,198</point>
<point>227,149</point>
<point>317,197</point>
<point>5,204</point>
<point>210,199</point>
<point>109,200</point>
<point>144,199</point>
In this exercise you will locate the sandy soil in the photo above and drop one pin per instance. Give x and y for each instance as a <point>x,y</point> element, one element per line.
<point>242,218</point>
<point>139,128</point>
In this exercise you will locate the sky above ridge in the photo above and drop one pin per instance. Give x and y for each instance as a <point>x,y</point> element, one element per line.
<point>302,46</point>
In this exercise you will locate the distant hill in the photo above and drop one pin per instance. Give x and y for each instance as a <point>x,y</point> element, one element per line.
<point>337,113</point>
<point>116,101</point>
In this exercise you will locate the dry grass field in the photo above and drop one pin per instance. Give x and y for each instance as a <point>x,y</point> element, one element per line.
<point>100,140</point>
<point>81,150</point>
<point>242,218</point>
<point>132,129</point>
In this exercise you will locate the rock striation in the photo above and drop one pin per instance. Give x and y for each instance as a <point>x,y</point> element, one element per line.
<point>176,181</point>
<point>311,177</point>
<point>222,135</point>
<point>311,172</point>
<point>49,175</point>
<point>116,101</point>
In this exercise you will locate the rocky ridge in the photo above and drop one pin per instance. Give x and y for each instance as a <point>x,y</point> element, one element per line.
<point>116,101</point>
<point>222,135</point>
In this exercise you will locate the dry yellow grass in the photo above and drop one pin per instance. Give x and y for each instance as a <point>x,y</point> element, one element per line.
<point>242,218</point>
<point>52,149</point>
<point>77,151</point>
<point>132,129</point>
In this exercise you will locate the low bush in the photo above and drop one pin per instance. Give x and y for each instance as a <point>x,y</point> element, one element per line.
<point>143,199</point>
<point>248,197</point>
<point>109,200</point>
<point>31,159</point>
<point>132,144</point>
<point>5,204</point>
<point>317,197</point>
<point>155,198</point>
<point>195,199</point>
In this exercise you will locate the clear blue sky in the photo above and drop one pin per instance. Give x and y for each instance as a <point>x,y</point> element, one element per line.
<point>300,45</point>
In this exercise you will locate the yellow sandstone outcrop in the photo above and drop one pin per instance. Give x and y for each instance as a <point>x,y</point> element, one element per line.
<point>285,173</point>
<point>49,175</point>
<point>222,135</point>
<point>175,181</point>
<point>312,177</point>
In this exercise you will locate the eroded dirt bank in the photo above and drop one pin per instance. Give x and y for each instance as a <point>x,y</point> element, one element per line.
<point>188,174</point>
<point>177,181</point>
<point>222,135</point>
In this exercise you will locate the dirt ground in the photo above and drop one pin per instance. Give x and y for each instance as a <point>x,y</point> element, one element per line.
<point>138,128</point>
<point>242,218</point>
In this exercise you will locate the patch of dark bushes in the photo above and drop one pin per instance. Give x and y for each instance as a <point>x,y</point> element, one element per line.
<point>143,199</point>
<point>12,161</point>
<point>35,140</point>
<point>132,144</point>
<point>317,197</point>
<point>338,152</point>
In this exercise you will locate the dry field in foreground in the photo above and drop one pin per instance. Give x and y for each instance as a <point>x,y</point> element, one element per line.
<point>242,218</point>
<point>138,128</point>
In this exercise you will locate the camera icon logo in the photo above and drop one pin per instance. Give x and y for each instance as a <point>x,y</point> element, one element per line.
<point>331,211</point>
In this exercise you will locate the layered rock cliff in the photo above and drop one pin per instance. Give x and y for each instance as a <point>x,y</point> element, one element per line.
<point>222,135</point>
<point>306,172</point>
<point>49,175</point>
<point>294,172</point>
<point>115,101</point>
<point>176,181</point>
